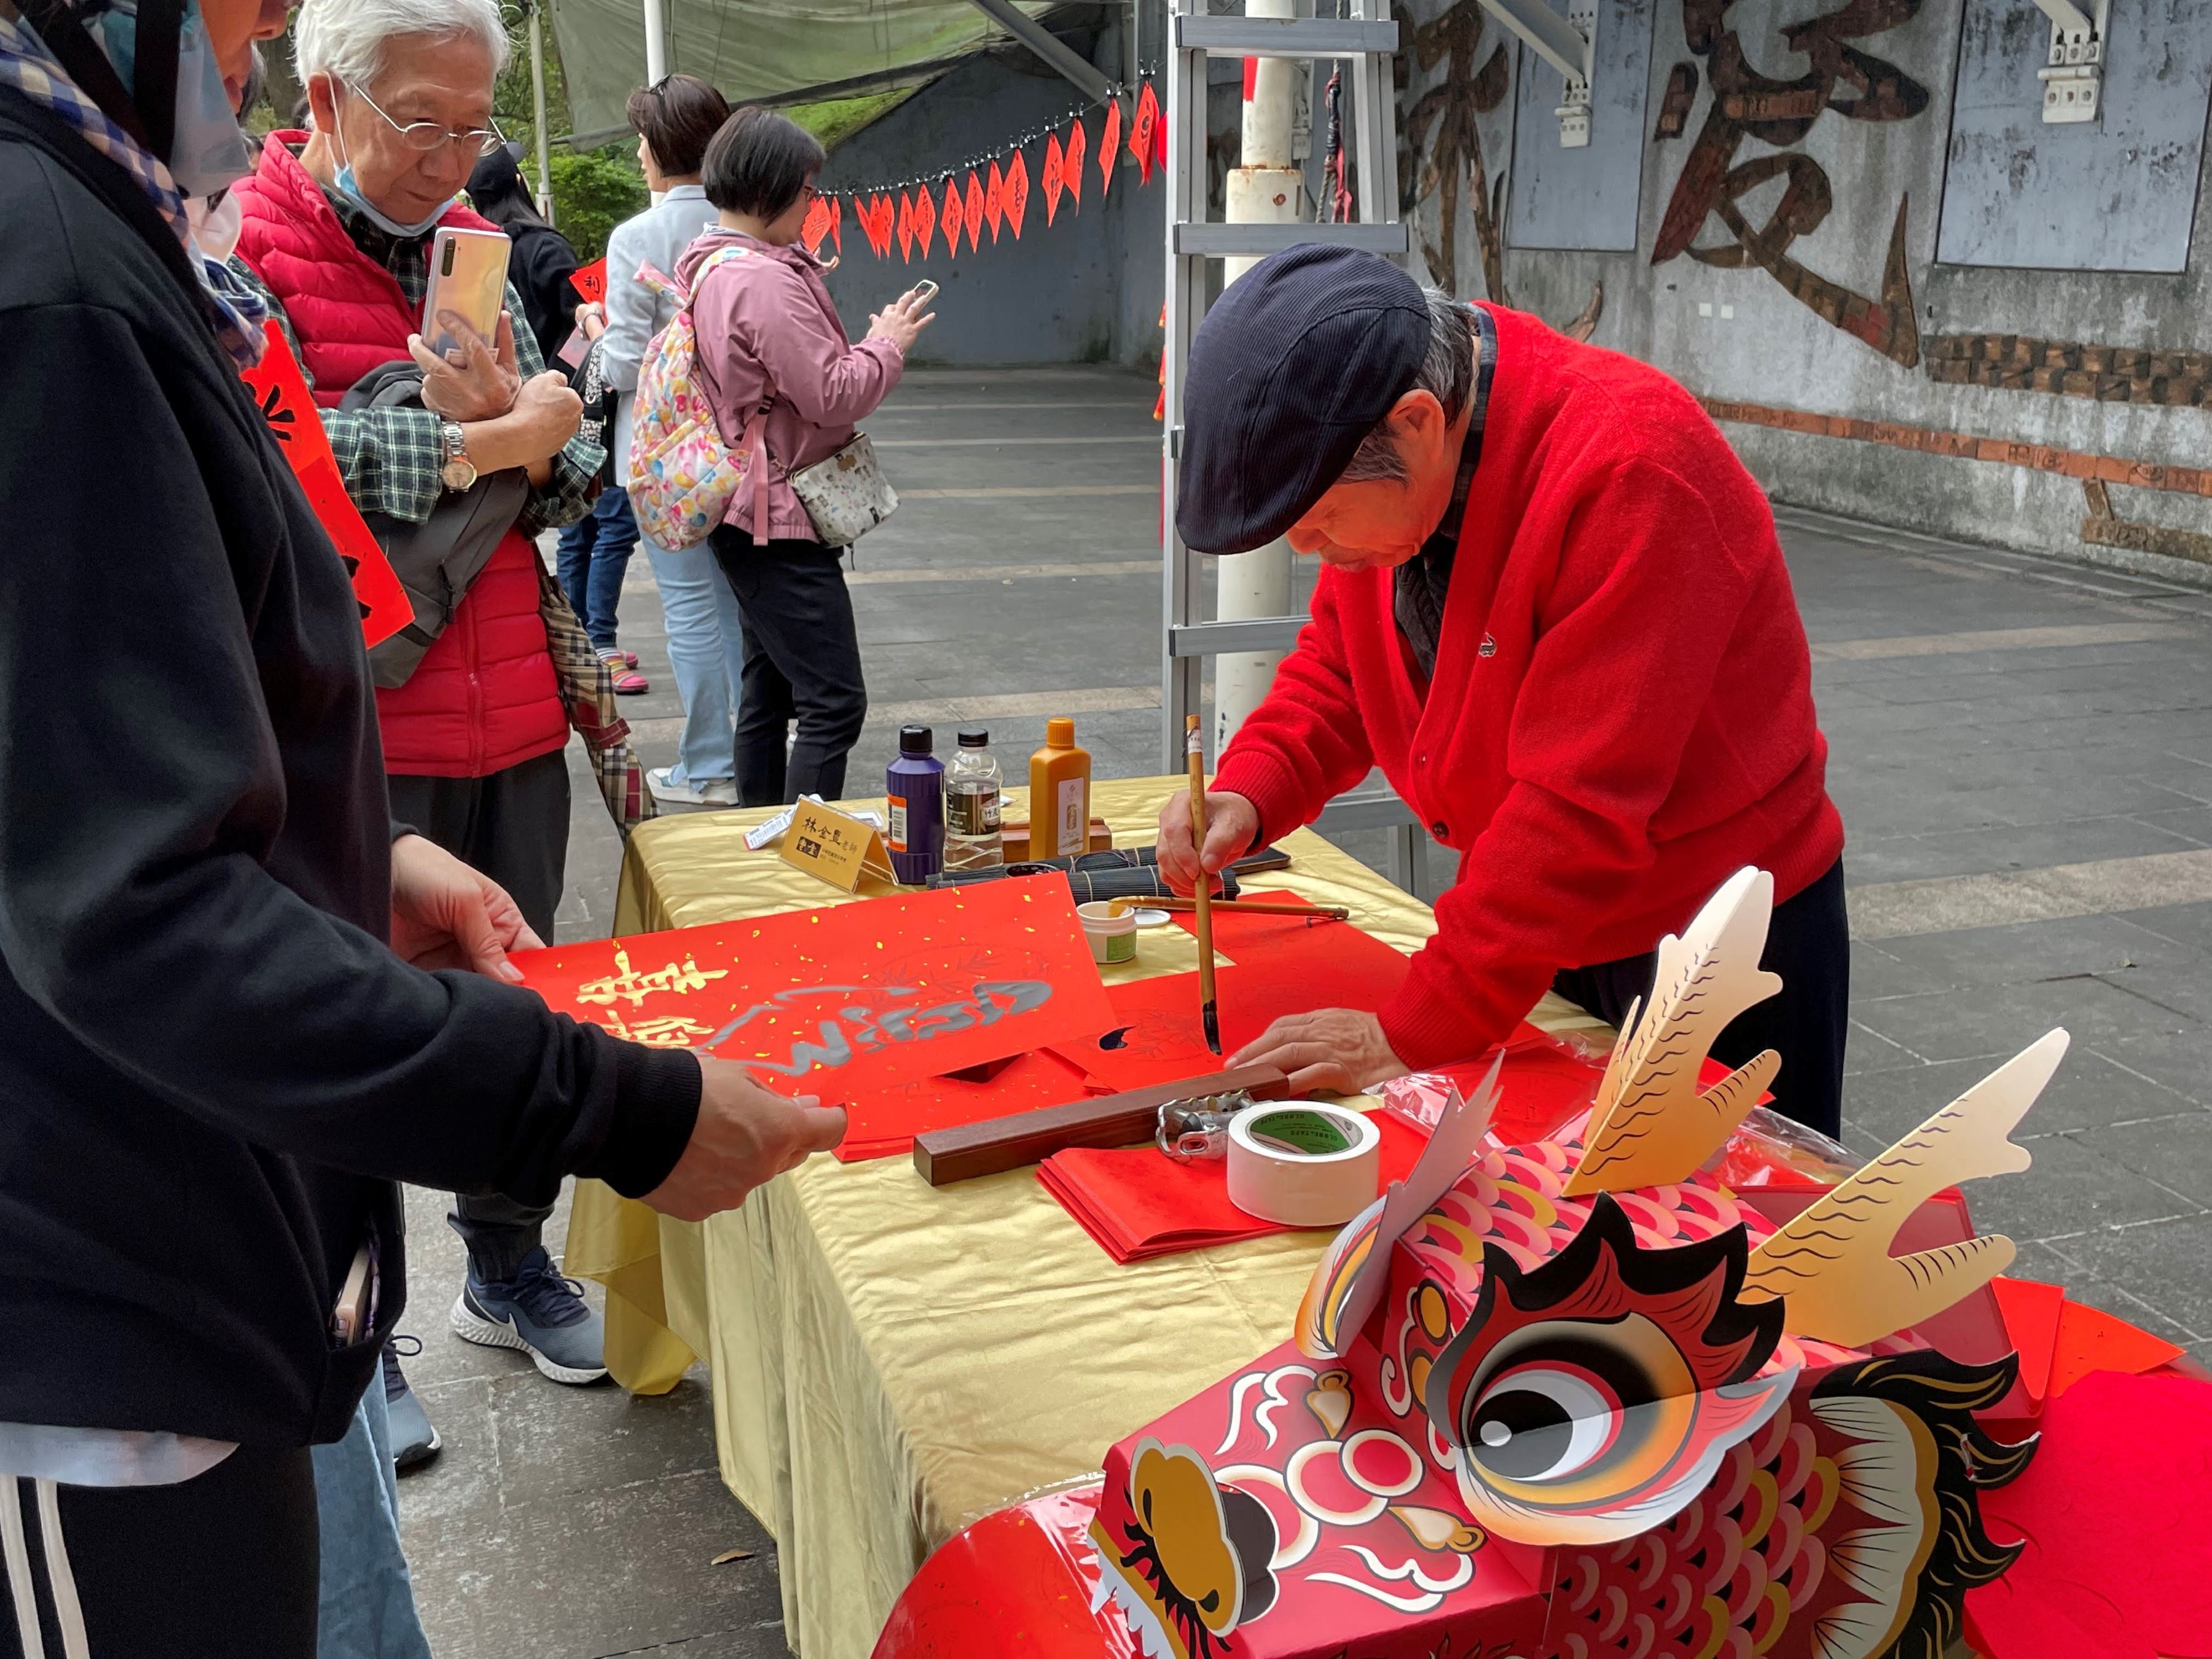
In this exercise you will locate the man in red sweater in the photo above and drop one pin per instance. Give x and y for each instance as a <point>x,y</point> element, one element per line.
<point>1553,610</point>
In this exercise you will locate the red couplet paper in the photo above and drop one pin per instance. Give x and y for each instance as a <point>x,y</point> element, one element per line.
<point>841,1001</point>
<point>1109,146</point>
<point>1014,198</point>
<point>1143,131</point>
<point>1139,1203</point>
<point>2090,1340</point>
<point>2118,1563</point>
<point>882,1122</point>
<point>2032,1312</point>
<point>281,392</point>
<point>590,280</point>
<point>1280,966</point>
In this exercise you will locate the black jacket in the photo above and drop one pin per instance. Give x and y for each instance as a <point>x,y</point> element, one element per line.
<point>541,264</point>
<point>212,1070</point>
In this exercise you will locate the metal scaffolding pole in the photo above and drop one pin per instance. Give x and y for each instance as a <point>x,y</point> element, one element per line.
<point>538,117</point>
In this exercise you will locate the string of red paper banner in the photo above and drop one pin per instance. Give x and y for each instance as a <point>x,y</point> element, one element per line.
<point>994,196</point>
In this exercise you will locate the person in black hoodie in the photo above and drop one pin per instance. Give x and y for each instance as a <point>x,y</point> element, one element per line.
<point>239,1005</point>
<point>541,263</point>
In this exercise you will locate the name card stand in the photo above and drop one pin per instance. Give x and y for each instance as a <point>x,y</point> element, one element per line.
<point>835,846</point>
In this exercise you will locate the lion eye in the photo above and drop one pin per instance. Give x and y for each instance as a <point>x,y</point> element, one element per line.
<point>1543,1423</point>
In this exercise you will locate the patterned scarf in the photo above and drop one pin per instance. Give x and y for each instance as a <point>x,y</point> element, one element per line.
<point>1423,582</point>
<point>232,310</point>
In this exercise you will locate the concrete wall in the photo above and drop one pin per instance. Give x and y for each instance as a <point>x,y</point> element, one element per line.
<point>1086,288</point>
<point>1739,334</point>
<point>2132,196</point>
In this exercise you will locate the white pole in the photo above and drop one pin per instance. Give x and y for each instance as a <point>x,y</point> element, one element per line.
<point>538,118</point>
<point>656,44</point>
<point>1268,189</point>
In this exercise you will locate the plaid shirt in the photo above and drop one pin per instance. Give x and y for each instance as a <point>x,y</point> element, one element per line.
<point>390,458</point>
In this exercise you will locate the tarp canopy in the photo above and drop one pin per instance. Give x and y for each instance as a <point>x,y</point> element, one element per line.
<point>752,49</point>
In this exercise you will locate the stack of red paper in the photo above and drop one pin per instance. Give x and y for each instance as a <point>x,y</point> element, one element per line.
<point>1137,1202</point>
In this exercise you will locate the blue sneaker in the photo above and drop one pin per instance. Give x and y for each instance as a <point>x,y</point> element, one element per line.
<point>539,1312</point>
<point>414,1441</point>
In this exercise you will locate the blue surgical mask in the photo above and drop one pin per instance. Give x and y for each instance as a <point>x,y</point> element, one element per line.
<point>209,152</point>
<point>348,186</point>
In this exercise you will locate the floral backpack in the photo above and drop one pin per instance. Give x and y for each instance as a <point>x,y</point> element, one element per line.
<point>681,474</point>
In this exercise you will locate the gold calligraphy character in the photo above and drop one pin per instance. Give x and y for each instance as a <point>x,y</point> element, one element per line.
<point>627,985</point>
<point>666,1031</point>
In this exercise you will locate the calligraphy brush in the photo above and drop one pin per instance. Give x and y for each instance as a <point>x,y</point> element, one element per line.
<point>1202,894</point>
<point>1244,907</point>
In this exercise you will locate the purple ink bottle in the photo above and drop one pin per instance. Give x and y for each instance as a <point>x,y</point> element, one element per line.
<point>916,784</point>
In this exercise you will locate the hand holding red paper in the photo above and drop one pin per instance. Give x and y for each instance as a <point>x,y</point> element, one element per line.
<point>1232,824</point>
<point>445,914</point>
<point>745,1136</point>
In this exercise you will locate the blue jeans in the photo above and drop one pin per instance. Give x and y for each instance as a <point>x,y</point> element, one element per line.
<point>594,552</point>
<point>368,1601</point>
<point>705,648</point>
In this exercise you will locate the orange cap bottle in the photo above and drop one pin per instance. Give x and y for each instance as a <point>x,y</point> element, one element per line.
<point>1059,794</point>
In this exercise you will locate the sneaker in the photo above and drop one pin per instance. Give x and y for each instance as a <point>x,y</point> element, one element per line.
<point>539,1312</point>
<point>628,683</point>
<point>711,792</point>
<point>414,1441</point>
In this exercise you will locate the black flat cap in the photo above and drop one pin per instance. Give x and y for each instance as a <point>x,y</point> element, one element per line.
<point>1294,365</point>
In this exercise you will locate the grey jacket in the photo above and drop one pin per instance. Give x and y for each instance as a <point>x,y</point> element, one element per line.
<point>657,237</point>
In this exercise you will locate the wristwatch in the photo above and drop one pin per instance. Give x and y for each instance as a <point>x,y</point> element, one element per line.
<point>459,471</point>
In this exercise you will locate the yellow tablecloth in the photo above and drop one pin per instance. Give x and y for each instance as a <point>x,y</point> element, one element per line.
<point>891,1361</point>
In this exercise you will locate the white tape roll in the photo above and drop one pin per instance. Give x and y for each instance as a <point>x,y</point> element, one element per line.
<point>1306,1164</point>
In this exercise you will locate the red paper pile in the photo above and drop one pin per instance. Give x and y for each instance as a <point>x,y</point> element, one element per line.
<point>2118,1563</point>
<point>1137,1202</point>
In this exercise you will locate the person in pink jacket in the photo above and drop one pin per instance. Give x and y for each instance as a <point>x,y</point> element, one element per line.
<point>770,340</point>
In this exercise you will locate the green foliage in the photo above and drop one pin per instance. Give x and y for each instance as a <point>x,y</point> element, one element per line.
<point>593,191</point>
<point>835,119</point>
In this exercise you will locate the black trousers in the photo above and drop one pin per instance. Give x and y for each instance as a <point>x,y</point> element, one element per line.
<point>222,1566</point>
<point>513,826</point>
<point>802,662</point>
<point>1809,944</point>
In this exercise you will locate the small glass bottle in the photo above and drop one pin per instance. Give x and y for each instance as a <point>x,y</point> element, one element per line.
<point>915,785</point>
<point>973,786</point>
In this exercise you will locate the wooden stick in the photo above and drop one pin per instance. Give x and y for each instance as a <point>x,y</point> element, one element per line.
<point>1244,906</point>
<point>1209,1012</point>
<point>998,1143</point>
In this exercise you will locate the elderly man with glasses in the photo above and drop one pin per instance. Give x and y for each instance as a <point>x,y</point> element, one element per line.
<point>338,228</point>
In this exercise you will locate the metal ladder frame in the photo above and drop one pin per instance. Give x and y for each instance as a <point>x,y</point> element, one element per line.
<point>1366,41</point>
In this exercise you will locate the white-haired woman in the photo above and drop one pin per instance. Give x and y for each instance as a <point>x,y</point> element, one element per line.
<point>337,229</point>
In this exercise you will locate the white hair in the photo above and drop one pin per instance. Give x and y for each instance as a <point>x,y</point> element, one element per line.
<point>1447,369</point>
<point>345,38</point>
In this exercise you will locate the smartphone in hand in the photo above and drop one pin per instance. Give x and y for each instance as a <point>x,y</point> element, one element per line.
<point>468,285</point>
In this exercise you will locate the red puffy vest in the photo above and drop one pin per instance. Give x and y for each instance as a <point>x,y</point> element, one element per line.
<point>484,698</point>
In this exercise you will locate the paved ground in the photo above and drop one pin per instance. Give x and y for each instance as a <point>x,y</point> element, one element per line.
<point>2022,751</point>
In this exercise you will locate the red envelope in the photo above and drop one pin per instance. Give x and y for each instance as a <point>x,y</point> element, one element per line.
<point>1139,1203</point>
<point>590,280</point>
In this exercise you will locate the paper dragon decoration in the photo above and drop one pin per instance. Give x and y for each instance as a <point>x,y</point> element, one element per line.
<point>1572,1400</point>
